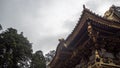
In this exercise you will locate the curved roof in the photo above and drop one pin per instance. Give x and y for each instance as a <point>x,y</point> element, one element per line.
<point>79,32</point>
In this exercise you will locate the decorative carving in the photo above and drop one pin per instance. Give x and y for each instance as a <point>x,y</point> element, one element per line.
<point>113,13</point>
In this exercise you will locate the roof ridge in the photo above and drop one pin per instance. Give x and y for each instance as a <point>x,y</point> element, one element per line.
<point>93,13</point>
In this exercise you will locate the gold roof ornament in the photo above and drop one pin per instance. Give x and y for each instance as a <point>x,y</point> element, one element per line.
<point>113,13</point>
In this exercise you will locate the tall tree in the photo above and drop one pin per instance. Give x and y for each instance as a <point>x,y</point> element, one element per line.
<point>38,60</point>
<point>15,49</point>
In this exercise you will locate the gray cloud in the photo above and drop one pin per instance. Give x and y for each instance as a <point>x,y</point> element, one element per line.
<point>45,21</point>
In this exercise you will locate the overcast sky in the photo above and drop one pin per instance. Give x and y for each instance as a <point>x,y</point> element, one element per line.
<point>43,22</point>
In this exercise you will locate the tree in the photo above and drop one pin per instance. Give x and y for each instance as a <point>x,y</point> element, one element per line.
<point>38,60</point>
<point>49,56</point>
<point>15,49</point>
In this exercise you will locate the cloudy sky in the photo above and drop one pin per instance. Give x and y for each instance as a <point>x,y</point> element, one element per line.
<point>43,22</point>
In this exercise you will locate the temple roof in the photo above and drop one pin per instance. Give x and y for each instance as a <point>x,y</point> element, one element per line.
<point>79,36</point>
<point>116,10</point>
<point>113,13</point>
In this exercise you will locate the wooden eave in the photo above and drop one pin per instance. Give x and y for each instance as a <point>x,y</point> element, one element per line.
<point>86,15</point>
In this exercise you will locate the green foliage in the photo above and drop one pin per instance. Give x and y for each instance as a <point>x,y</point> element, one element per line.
<point>49,56</point>
<point>38,60</point>
<point>15,49</point>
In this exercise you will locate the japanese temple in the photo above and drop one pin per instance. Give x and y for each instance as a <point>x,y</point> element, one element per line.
<point>93,43</point>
